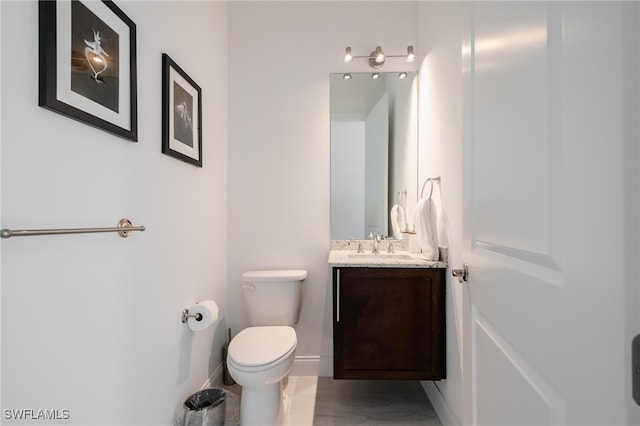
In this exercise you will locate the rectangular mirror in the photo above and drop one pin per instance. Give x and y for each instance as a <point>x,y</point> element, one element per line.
<point>374,154</point>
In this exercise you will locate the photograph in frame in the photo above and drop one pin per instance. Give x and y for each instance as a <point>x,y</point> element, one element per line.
<point>181,114</point>
<point>88,64</point>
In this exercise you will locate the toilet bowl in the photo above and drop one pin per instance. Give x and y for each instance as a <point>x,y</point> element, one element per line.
<point>258,359</point>
<point>261,356</point>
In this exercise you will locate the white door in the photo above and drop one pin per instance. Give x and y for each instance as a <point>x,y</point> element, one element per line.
<point>551,101</point>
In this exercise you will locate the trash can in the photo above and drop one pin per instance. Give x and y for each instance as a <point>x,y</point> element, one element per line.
<point>210,407</point>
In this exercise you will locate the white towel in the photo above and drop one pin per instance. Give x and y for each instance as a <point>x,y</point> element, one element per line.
<point>443,222</point>
<point>397,221</point>
<point>427,228</point>
<point>443,228</point>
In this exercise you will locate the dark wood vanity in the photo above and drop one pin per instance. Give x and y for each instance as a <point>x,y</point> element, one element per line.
<point>389,323</point>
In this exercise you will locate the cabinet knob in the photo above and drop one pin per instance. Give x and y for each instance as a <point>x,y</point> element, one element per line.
<point>462,273</point>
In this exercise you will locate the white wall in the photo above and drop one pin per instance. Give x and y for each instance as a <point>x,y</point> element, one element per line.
<point>91,323</point>
<point>442,25</point>
<point>403,161</point>
<point>280,58</point>
<point>376,167</point>
<point>347,179</point>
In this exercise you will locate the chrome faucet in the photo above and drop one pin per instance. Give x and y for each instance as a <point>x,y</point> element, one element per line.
<point>376,245</point>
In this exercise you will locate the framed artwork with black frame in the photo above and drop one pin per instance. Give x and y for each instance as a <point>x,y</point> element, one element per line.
<point>181,114</point>
<point>88,64</point>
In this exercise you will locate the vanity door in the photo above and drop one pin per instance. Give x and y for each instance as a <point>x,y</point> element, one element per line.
<point>389,323</point>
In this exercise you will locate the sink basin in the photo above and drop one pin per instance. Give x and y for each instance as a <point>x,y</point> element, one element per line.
<point>374,257</point>
<point>399,259</point>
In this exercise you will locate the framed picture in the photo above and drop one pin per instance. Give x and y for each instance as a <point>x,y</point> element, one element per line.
<point>88,64</point>
<point>181,114</point>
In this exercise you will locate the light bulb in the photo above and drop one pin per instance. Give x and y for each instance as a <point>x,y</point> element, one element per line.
<point>411,56</point>
<point>379,55</point>
<point>347,55</point>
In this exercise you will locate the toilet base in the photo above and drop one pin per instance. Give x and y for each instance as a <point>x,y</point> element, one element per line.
<point>261,405</point>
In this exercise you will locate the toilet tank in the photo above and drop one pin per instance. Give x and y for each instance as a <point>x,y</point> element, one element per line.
<point>273,297</point>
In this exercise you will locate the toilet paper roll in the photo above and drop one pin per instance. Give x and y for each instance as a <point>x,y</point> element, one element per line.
<point>209,311</point>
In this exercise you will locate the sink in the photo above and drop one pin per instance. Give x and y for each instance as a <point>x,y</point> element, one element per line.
<point>399,259</point>
<point>385,256</point>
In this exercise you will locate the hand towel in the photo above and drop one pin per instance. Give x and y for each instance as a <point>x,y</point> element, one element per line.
<point>427,228</point>
<point>444,231</point>
<point>397,221</point>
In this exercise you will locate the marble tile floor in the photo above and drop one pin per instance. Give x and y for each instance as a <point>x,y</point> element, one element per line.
<point>322,401</point>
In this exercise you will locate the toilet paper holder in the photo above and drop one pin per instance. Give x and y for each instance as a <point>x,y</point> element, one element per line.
<point>186,316</point>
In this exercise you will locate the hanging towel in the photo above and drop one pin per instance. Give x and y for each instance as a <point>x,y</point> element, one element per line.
<point>397,221</point>
<point>427,228</point>
<point>443,222</point>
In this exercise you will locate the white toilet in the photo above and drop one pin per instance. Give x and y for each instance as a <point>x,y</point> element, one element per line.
<point>260,356</point>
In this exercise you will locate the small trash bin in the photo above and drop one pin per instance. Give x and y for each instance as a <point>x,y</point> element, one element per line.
<point>210,407</point>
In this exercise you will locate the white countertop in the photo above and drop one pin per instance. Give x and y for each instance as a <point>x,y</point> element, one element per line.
<point>399,259</point>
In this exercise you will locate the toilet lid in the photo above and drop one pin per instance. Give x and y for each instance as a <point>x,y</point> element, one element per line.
<point>255,346</point>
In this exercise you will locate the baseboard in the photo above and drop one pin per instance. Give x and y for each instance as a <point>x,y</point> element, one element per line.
<point>215,381</point>
<point>440,404</point>
<point>314,365</point>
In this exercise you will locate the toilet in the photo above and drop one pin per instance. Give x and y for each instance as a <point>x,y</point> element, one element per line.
<point>260,356</point>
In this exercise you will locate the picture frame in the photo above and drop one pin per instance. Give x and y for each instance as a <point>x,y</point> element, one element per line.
<point>87,64</point>
<point>181,114</point>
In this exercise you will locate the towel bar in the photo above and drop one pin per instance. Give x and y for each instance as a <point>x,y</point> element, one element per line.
<point>123,229</point>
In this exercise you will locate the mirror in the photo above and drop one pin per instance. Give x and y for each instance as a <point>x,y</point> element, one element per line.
<point>374,154</point>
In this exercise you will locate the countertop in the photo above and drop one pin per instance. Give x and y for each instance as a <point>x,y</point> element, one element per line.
<point>399,259</point>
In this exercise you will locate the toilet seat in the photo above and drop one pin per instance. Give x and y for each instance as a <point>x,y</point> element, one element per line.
<point>261,348</point>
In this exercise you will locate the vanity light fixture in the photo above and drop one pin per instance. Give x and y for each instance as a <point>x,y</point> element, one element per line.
<point>347,76</point>
<point>375,76</point>
<point>377,58</point>
<point>402,75</point>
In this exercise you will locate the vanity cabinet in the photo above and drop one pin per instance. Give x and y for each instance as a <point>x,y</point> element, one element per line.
<point>389,323</point>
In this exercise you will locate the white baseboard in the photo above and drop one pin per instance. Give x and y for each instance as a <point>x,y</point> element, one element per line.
<point>314,365</point>
<point>317,366</point>
<point>215,381</point>
<point>440,404</point>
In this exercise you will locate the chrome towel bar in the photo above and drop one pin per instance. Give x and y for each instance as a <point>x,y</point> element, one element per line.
<point>123,229</point>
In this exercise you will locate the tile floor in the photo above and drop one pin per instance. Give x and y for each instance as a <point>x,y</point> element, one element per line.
<point>322,401</point>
